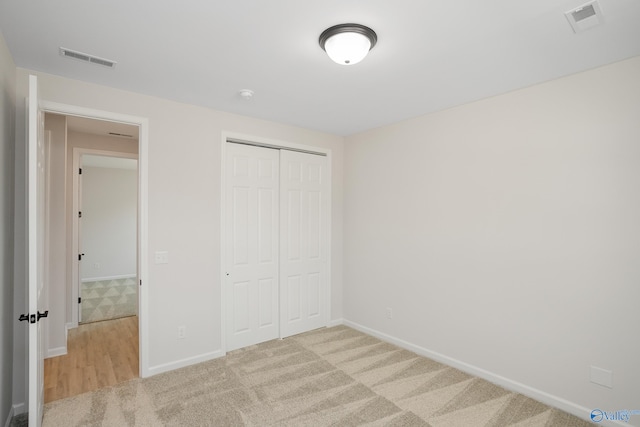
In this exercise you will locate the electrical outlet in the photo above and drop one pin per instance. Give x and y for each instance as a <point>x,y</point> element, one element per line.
<point>389,313</point>
<point>182,332</point>
<point>600,376</point>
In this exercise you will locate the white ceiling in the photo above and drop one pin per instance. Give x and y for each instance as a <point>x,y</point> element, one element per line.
<point>431,54</point>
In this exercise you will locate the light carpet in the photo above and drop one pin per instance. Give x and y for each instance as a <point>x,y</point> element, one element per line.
<point>328,377</point>
<point>108,299</point>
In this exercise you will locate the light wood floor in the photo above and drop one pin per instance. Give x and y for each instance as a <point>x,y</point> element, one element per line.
<point>99,355</point>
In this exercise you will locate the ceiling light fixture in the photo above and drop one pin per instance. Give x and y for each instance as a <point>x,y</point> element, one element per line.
<point>348,44</point>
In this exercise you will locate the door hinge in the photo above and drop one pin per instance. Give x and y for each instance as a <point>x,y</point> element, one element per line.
<point>140,282</point>
<point>79,214</point>
<point>80,257</point>
<point>80,171</point>
<point>79,300</point>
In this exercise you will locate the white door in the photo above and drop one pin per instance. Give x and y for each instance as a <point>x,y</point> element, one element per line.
<point>251,293</point>
<point>36,246</point>
<point>304,221</point>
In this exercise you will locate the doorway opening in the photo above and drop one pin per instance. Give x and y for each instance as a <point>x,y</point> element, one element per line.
<point>95,169</point>
<point>107,235</point>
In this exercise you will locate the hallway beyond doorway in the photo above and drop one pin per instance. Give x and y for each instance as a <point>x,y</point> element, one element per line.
<point>99,355</point>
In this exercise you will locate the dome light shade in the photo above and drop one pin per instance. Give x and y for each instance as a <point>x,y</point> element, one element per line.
<point>348,44</point>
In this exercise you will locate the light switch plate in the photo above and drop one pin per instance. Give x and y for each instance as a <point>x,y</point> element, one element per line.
<point>162,257</point>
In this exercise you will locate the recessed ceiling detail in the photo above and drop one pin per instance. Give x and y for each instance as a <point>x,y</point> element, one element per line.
<point>584,17</point>
<point>68,53</point>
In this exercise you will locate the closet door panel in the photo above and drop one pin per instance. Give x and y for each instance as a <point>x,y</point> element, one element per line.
<point>303,248</point>
<point>252,218</point>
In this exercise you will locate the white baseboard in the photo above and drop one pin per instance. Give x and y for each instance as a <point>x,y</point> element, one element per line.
<point>335,322</point>
<point>7,423</point>
<point>184,362</point>
<point>99,279</point>
<point>18,408</point>
<point>55,352</point>
<point>70,325</point>
<point>539,395</point>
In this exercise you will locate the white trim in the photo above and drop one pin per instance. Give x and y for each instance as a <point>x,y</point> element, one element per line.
<point>90,113</point>
<point>223,238</point>
<point>278,144</point>
<point>46,291</point>
<point>329,271</point>
<point>55,352</point>
<point>100,279</point>
<point>33,401</point>
<point>539,395</point>
<point>166,367</point>
<point>14,411</point>
<point>7,423</point>
<point>335,322</point>
<point>273,143</point>
<point>143,233</point>
<point>143,206</point>
<point>19,408</point>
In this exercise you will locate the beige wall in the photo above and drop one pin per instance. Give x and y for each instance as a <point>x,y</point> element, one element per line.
<point>505,236</point>
<point>184,208</point>
<point>109,222</point>
<point>7,317</point>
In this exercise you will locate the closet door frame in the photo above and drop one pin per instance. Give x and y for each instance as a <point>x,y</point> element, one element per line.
<point>276,144</point>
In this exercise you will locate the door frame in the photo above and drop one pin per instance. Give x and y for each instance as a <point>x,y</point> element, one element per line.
<point>143,203</point>
<point>276,144</point>
<point>78,152</point>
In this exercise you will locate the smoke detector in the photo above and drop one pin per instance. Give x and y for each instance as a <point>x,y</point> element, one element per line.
<point>246,94</point>
<point>584,17</point>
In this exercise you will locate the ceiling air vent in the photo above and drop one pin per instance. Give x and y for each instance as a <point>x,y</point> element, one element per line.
<point>584,17</point>
<point>68,53</point>
<point>123,135</point>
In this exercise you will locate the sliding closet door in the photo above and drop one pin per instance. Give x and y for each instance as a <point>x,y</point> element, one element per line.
<point>304,220</point>
<point>252,204</point>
